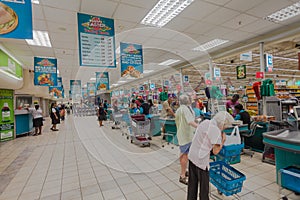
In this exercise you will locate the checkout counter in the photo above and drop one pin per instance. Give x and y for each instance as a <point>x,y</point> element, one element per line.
<point>23,122</point>
<point>170,130</point>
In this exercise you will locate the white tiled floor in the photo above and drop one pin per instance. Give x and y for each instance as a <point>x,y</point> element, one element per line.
<point>84,161</point>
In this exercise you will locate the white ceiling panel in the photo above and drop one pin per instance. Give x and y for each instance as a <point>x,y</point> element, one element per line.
<point>243,5</point>
<point>180,24</point>
<point>65,45</point>
<point>63,37</point>
<point>187,38</point>
<point>23,47</point>
<point>221,16</point>
<point>65,4</point>
<point>218,32</point>
<point>21,52</point>
<point>40,25</point>
<point>143,32</point>
<point>64,52</point>
<point>62,28</point>
<point>238,36</point>
<point>198,10</point>
<point>199,28</point>
<point>130,13</point>
<point>154,43</point>
<point>218,2</point>
<point>60,16</point>
<point>37,49</point>
<point>136,39</point>
<point>149,4</point>
<point>122,26</point>
<point>37,12</point>
<point>164,33</point>
<point>239,21</point>
<point>256,26</point>
<point>268,7</point>
<point>102,8</point>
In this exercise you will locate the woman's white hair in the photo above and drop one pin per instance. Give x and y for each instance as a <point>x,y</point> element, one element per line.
<point>184,99</point>
<point>223,119</point>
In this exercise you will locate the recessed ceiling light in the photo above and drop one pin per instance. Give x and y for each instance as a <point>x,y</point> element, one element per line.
<point>92,79</point>
<point>211,44</point>
<point>285,13</point>
<point>164,11</point>
<point>169,62</point>
<point>35,1</point>
<point>40,38</point>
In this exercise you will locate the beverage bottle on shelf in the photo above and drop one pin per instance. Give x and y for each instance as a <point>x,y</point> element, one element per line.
<point>5,113</point>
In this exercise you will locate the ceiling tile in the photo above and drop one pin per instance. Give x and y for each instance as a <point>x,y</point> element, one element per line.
<point>199,28</point>
<point>237,36</point>
<point>63,37</point>
<point>218,31</point>
<point>180,24</point>
<point>62,4</point>
<point>12,46</point>
<point>149,4</point>
<point>136,39</point>
<point>243,5</point>
<point>221,16</point>
<point>37,12</point>
<point>122,26</point>
<point>130,13</point>
<point>63,52</point>
<point>198,9</point>
<point>239,21</point>
<point>257,26</point>
<point>64,45</point>
<point>154,42</point>
<point>218,2</point>
<point>62,28</point>
<point>60,16</point>
<point>184,37</point>
<point>21,52</point>
<point>268,7</point>
<point>39,25</point>
<point>102,8</point>
<point>37,49</point>
<point>165,33</point>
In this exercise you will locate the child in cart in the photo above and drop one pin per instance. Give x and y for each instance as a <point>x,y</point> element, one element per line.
<point>208,136</point>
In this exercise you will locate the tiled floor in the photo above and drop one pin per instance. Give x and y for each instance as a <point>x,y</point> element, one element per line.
<point>84,161</point>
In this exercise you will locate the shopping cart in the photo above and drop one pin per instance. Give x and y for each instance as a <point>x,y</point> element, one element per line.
<point>140,130</point>
<point>226,179</point>
<point>118,118</point>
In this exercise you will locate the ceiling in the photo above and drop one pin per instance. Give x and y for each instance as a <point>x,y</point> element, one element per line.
<point>238,21</point>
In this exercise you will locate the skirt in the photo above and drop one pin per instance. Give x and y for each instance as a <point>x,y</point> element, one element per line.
<point>101,117</point>
<point>37,122</point>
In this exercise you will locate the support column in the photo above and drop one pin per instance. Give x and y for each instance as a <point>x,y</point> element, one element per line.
<point>262,69</point>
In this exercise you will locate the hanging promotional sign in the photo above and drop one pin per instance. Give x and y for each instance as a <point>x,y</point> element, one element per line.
<point>45,71</point>
<point>241,72</point>
<point>58,90</point>
<point>75,87</point>
<point>102,81</point>
<point>247,56</point>
<point>207,76</point>
<point>131,60</point>
<point>91,89</point>
<point>16,19</point>
<point>84,93</point>
<point>9,65</point>
<point>96,41</point>
<point>269,62</point>
<point>166,83</point>
<point>185,78</point>
<point>152,86</point>
<point>259,75</point>
<point>217,72</point>
<point>7,115</point>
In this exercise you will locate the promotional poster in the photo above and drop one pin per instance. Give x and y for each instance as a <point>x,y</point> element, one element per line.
<point>45,71</point>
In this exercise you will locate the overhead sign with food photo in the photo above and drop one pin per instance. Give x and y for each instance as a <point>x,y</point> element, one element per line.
<point>131,60</point>
<point>102,81</point>
<point>58,90</point>
<point>91,89</point>
<point>96,41</point>
<point>16,19</point>
<point>45,71</point>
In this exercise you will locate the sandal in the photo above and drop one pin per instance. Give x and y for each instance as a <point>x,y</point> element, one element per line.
<point>187,174</point>
<point>183,180</point>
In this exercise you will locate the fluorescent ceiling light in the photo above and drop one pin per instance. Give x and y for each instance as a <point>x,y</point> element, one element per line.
<point>164,11</point>
<point>35,1</point>
<point>169,62</point>
<point>115,84</point>
<point>148,71</point>
<point>285,13</point>
<point>122,81</point>
<point>40,38</point>
<point>92,79</point>
<point>211,44</point>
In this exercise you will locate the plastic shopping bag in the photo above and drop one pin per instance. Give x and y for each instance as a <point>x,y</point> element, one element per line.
<point>234,137</point>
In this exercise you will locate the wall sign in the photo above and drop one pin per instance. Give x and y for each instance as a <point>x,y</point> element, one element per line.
<point>96,41</point>
<point>45,71</point>
<point>247,56</point>
<point>16,19</point>
<point>241,72</point>
<point>131,60</point>
<point>9,65</point>
<point>7,115</point>
<point>259,74</point>
<point>269,62</point>
<point>217,72</point>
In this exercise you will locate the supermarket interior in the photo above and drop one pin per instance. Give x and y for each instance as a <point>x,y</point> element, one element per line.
<point>149,99</point>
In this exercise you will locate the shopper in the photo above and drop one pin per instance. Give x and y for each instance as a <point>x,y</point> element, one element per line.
<point>105,105</point>
<point>151,106</point>
<point>101,114</point>
<point>208,137</point>
<point>242,114</point>
<point>62,112</point>
<point>185,123</point>
<point>37,114</point>
<point>166,108</point>
<point>54,114</point>
<point>231,103</point>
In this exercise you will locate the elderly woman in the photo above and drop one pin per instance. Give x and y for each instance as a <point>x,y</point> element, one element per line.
<point>208,137</point>
<point>185,123</point>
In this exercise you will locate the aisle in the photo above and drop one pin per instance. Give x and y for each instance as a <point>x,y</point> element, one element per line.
<point>99,163</point>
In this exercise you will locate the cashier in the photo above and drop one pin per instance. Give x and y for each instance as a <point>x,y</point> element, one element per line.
<point>242,115</point>
<point>166,109</point>
<point>231,103</point>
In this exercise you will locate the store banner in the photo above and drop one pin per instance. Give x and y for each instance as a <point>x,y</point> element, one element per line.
<point>8,64</point>
<point>84,93</point>
<point>247,56</point>
<point>96,41</point>
<point>259,74</point>
<point>58,90</point>
<point>102,81</point>
<point>45,71</point>
<point>75,86</point>
<point>7,118</point>
<point>217,72</point>
<point>185,79</point>
<point>269,62</point>
<point>91,89</point>
<point>241,72</point>
<point>131,60</point>
<point>16,19</point>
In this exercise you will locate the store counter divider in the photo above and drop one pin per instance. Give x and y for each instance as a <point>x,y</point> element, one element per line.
<point>23,122</point>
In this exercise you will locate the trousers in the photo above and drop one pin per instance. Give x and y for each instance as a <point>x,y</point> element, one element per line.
<point>198,176</point>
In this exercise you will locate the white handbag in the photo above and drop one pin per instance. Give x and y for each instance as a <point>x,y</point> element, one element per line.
<point>234,138</point>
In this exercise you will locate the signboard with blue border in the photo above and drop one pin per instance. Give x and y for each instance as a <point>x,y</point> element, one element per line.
<point>217,72</point>
<point>45,71</point>
<point>96,41</point>
<point>102,81</point>
<point>91,89</point>
<point>269,62</point>
<point>16,19</point>
<point>131,60</point>
<point>58,90</point>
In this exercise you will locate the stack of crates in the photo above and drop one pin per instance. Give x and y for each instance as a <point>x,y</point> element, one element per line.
<point>230,154</point>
